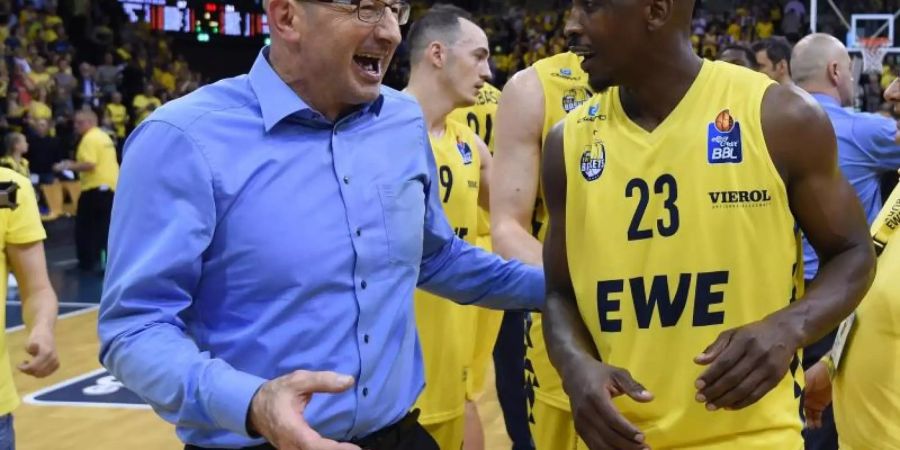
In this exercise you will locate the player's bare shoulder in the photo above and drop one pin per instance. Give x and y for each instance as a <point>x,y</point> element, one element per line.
<point>797,131</point>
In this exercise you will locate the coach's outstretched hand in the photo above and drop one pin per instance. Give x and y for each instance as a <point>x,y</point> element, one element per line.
<point>745,363</point>
<point>276,411</point>
<point>591,386</point>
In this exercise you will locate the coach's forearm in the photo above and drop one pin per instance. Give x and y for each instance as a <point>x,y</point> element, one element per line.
<point>841,284</point>
<point>568,339</point>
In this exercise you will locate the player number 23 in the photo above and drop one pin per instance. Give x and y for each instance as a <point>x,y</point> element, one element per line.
<point>666,186</point>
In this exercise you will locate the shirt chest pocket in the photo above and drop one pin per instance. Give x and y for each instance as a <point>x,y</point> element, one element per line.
<point>403,206</point>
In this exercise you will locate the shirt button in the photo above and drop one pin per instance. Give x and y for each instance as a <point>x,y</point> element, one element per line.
<point>364,284</point>
<point>346,180</point>
<point>366,339</point>
<point>365,392</point>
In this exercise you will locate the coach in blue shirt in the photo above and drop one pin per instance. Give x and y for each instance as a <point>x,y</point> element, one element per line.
<point>280,221</point>
<point>867,149</point>
<point>867,143</point>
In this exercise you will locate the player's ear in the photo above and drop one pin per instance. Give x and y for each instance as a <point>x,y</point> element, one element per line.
<point>659,13</point>
<point>437,54</point>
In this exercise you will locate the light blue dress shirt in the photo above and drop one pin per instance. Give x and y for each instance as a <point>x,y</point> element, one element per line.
<point>251,238</point>
<point>867,150</point>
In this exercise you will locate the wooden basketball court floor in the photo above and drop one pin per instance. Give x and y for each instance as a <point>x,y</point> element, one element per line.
<point>57,414</point>
<point>81,407</point>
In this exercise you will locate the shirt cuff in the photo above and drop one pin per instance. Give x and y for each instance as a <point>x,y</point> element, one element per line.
<point>230,397</point>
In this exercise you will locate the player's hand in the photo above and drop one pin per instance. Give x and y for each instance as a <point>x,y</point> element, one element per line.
<point>276,411</point>
<point>817,395</point>
<point>42,348</point>
<point>591,386</point>
<point>745,363</point>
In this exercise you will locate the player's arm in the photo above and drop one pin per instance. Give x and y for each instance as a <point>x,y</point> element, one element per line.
<point>747,362</point>
<point>484,187</point>
<point>39,307</point>
<point>517,159</point>
<point>590,383</point>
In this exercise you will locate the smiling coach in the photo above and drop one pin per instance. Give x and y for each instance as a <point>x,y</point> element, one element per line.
<point>268,233</point>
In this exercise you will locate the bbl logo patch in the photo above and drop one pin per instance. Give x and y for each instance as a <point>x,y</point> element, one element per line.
<point>565,72</point>
<point>574,98</point>
<point>593,161</point>
<point>724,140</point>
<point>465,151</point>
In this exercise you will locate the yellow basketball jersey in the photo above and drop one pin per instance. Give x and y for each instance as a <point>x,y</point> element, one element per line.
<point>674,236</point>
<point>565,87</point>
<point>866,392</point>
<point>480,119</point>
<point>442,324</point>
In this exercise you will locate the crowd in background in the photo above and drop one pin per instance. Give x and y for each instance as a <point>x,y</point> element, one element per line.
<point>58,59</point>
<point>56,62</point>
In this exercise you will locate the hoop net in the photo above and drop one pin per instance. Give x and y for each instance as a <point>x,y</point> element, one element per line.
<point>874,51</point>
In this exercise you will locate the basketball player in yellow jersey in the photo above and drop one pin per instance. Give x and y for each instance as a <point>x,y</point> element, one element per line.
<point>480,119</point>
<point>864,382</point>
<point>449,57</point>
<point>672,254</point>
<point>532,102</point>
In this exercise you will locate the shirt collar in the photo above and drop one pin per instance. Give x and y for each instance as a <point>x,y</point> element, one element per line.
<point>278,101</point>
<point>826,99</point>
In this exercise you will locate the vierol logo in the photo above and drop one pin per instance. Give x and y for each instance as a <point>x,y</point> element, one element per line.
<point>740,199</point>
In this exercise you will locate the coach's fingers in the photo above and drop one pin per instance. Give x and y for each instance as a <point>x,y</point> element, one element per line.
<point>309,382</point>
<point>304,437</point>
<point>714,349</point>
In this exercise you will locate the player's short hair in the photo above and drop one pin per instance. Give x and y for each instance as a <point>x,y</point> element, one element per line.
<point>440,23</point>
<point>777,49</point>
<point>751,57</point>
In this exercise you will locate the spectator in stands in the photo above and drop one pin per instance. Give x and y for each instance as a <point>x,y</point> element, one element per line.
<point>88,93</point>
<point>739,55</point>
<point>44,152</point>
<point>115,115</point>
<point>39,76</point>
<point>765,28</point>
<point>144,104</point>
<point>15,146</point>
<point>108,75</point>
<point>66,83</point>
<point>773,55</point>
<point>39,108</point>
<point>867,149</point>
<point>96,162</point>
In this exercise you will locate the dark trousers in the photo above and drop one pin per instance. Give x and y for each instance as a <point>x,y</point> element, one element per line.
<point>407,434</point>
<point>509,368</point>
<point>92,226</point>
<point>825,438</point>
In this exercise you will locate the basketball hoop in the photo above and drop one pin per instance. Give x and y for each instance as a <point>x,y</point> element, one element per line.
<point>874,50</point>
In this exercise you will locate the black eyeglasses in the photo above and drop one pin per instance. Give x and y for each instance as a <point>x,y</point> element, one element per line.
<point>372,11</point>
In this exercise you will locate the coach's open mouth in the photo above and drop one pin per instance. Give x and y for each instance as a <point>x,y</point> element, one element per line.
<point>582,51</point>
<point>370,63</point>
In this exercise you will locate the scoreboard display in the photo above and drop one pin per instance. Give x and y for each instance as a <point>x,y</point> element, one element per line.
<point>204,19</point>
